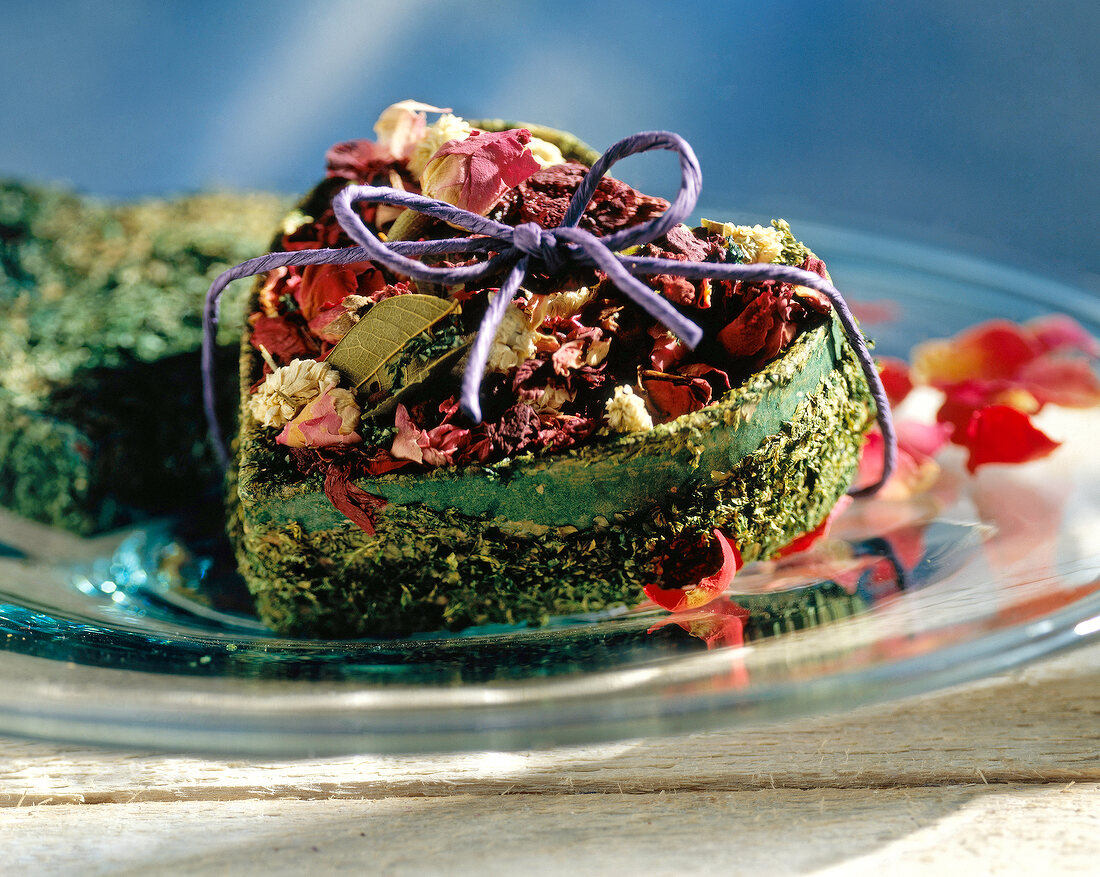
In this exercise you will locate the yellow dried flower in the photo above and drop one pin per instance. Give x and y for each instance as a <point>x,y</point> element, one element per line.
<point>545,152</point>
<point>759,243</point>
<point>446,128</point>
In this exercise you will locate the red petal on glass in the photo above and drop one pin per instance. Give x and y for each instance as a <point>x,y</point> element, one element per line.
<point>916,471</point>
<point>962,400</point>
<point>722,623</point>
<point>808,540</point>
<point>894,374</point>
<point>1058,332</point>
<point>706,589</point>
<point>1061,380</point>
<point>992,350</point>
<point>1002,434</point>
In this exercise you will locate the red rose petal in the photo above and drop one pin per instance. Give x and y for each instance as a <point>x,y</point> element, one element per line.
<point>283,339</point>
<point>706,589</point>
<point>353,502</point>
<point>1061,380</point>
<point>808,540</point>
<point>325,286</point>
<point>894,374</point>
<point>1002,434</point>
<point>992,350</point>
<point>673,395</point>
<point>1058,332</point>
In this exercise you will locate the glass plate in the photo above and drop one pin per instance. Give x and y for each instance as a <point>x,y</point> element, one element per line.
<point>141,639</point>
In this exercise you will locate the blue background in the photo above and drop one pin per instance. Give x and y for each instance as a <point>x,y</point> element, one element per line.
<point>974,125</point>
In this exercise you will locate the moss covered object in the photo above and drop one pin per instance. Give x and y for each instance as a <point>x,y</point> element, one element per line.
<point>100,413</point>
<point>528,539</point>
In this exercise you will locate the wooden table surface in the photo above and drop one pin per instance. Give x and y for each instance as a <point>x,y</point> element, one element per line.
<point>998,776</point>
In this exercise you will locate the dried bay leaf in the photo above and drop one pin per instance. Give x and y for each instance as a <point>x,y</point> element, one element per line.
<point>416,374</point>
<point>383,331</point>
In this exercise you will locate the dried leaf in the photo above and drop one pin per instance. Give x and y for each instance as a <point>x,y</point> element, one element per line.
<point>380,335</point>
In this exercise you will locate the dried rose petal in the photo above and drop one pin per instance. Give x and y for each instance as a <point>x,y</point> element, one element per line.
<point>356,159</point>
<point>282,338</point>
<point>324,286</point>
<point>673,395</point>
<point>406,444</point>
<point>352,501</point>
<point>403,125</point>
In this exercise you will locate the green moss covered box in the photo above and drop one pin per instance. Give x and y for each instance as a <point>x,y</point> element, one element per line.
<point>100,413</point>
<point>609,457</point>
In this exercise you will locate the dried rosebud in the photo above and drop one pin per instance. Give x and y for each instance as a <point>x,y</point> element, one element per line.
<point>474,173</point>
<point>289,389</point>
<point>330,419</point>
<point>402,126</point>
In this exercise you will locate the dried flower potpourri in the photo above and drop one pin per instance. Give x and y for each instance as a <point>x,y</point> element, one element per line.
<point>560,398</point>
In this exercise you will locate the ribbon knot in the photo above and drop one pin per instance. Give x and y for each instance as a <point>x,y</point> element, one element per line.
<point>534,240</point>
<point>512,248</point>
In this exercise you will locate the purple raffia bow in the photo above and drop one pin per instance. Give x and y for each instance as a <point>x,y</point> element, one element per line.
<point>515,247</point>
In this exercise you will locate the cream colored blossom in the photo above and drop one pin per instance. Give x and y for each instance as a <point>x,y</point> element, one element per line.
<point>445,129</point>
<point>597,352</point>
<point>402,125</point>
<point>545,152</point>
<point>568,302</point>
<point>626,412</point>
<point>552,398</point>
<point>759,243</point>
<point>289,389</point>
<point>514,343</point>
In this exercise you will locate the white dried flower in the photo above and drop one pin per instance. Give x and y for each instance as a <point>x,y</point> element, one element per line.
<point>514,343</point>
<point>759,243</point>
<point>545,152</point>
<point>445,129</point>
<point>626,412</point>
<point>289,389</point>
